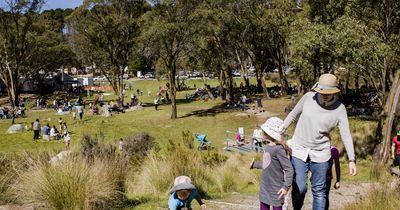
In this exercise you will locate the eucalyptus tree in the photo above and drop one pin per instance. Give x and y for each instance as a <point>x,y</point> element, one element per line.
<point>16,42</point>
<point>31,45</point>
<point>264,35</point>
<point>216,44</point>
<point>169,29</point>
<point>309,42</point>
<point>380,60</point>
<point>106,34</point>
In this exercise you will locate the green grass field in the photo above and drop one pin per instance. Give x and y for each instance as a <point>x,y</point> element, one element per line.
<point>195,116</point>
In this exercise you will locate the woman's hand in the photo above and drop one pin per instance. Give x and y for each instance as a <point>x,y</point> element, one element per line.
<point>353,168</point>
<point>203,206</point>
<point>337,185</point>
<point>282,192</point>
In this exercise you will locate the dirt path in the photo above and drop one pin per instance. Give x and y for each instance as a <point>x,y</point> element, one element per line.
<point>338,199</point>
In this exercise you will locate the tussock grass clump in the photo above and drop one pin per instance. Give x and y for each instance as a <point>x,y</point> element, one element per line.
<point>210,171</point>
<point>379,172</point>
<point>6,178</point>
<point>380,197</point>
<point>70,184</point>
<point>94,178</point>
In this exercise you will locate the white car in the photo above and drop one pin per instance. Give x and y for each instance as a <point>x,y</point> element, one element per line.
<point>100,78</point>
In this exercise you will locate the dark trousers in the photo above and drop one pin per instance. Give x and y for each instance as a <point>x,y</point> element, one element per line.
<point>396,161</point>
<point>264,206</point>
<point>35,134</point>
<point>156,106</point>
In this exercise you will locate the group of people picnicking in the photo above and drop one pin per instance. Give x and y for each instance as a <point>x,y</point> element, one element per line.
<point>50,133</point>
<point>286,165</point>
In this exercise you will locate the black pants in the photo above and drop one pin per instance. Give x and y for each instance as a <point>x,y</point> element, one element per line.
<point>396,161</point>
<point>156,106</point>
<point>35,134</point>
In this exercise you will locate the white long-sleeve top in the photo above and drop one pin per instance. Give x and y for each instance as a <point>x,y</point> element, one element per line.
<point>311,138</point>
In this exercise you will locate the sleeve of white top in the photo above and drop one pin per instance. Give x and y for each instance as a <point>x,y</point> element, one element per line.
<point>295,112</point>
<point>345,134</point>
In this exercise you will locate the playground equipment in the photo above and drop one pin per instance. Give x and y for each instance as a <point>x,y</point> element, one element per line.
<point>204,143</point>
<point>238,141</point>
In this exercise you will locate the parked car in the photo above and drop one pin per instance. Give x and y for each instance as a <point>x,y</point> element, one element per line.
<point>100,78</point>
<point>149,76</point>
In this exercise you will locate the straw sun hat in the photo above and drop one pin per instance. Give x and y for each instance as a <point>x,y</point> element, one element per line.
<point>327,84</point>
<point>182,183</point>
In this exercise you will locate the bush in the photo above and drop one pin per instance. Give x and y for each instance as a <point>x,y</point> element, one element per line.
<point>381,197</point>
<point>71,184</point>
<point>210,171</point>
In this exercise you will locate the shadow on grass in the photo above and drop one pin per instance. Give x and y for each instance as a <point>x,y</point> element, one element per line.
<point>178,102</point>
<point>213,111</point>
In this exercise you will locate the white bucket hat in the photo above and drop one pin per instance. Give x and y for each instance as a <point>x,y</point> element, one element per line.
<point>182,183</point>
<point>327,84</point>
<point>273,127</point>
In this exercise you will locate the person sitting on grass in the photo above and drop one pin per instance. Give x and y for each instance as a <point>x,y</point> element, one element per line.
<point>54,134</point>
<point>183,193</point>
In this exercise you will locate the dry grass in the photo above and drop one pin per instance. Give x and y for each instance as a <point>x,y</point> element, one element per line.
<point>70,184</point>
<point>381,197</point>
<point>211,172</point>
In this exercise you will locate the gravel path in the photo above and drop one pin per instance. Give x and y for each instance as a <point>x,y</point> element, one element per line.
<point>338,199</point>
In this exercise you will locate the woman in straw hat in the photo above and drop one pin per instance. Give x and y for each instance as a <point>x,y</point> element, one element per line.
<point>319,113</point>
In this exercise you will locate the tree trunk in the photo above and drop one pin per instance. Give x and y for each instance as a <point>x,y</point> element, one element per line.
<point>207,87</point>
<point>10,80</point>
<point>284,82</point>
<point>387,118</point>
<point>259,77</point>
<point>261,81</point>
<point>172,91</point>
<point>222,84</point>
<point>264,85</point>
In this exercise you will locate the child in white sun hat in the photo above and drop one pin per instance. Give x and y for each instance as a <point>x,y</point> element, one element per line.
<point>183,193</point>
<point>277,174</point>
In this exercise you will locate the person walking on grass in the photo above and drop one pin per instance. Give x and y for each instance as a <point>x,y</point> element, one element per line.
<point>277,171</point>
<point>36,130</point>
<point>80,112</point>
<point>156,103</point>
<point>67,141</point>
<point>319,113</point>
<point>182,195</point>
<point>60,122</point>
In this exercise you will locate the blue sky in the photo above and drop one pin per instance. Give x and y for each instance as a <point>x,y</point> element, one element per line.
<point>54,4</point>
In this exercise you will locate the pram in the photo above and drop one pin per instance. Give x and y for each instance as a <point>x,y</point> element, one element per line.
<point>204,143</point>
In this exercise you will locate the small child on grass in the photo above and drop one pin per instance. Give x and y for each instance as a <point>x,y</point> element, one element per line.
<point>183,193</point>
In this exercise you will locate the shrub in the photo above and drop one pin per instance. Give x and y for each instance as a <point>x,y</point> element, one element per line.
<point>378,171</point>
<point>71,184</point>
<point>210,171</point>
<point>381,197</point>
